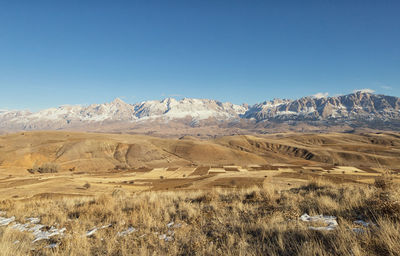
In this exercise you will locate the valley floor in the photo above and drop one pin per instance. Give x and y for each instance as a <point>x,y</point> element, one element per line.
<point>19,184</point>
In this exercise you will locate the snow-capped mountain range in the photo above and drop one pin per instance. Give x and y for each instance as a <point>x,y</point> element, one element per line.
<point>356,106</point>
<point>119,111</point>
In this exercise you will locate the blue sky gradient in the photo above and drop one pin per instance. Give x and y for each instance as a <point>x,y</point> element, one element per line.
<point>81,52</point>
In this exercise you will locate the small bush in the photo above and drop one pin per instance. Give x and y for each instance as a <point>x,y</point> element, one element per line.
<point>384,182</point>
<point>87,185</point>
<point>45,168</point>
<point>120,168</point>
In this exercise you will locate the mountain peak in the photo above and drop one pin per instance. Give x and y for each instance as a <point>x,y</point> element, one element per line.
<point>364,91</point>
<point>118,100</point>
<point>357,106</point>
<point>169,99</point>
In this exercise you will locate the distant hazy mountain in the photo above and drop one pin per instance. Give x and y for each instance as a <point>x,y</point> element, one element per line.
<point>354,110</point>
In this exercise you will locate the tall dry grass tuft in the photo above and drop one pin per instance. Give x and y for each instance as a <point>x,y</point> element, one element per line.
<point>252,221</point>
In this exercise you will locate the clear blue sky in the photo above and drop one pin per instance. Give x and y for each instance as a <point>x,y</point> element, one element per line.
<point>80,52</point>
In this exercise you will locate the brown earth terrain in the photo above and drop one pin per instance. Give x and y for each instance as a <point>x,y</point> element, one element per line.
<point>92,163</point>
<point>66,193</point>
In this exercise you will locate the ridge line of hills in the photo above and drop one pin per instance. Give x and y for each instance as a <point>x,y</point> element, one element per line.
<point>356,110</point>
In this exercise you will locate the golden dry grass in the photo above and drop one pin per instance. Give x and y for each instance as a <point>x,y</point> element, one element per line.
<point>234,195</point>
<point>251,221</point>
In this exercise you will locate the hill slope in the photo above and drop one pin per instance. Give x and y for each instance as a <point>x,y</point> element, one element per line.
<point>102,152</point>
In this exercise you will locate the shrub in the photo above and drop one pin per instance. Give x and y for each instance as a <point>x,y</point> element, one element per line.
<point>383,182</point>
<point>87,185</point>
<point>120,167</point>
<point>45,168</point>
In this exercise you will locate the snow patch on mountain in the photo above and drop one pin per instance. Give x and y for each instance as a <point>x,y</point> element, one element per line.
<point>365,90</point>
<point>360,105</point>
<point>171,108</point>
<point>118,110</point>
<point>321,95</point>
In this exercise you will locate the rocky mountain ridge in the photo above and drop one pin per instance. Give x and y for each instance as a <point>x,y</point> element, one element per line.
<point>359,107</point>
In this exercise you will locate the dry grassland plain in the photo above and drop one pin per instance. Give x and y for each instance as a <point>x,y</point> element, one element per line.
<point>116,194</point>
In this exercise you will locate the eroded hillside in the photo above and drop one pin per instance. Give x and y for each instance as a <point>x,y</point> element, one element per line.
<point>102,152</point>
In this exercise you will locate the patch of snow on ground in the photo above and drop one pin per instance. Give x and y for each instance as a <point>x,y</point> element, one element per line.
<point>95,229</point>
<point>165,238</point>
<point>126,232</point>
<point>21,227</point>
<point>174,225</point>
<point>33,227</point>
<point>92,231</point>
<point>33,220</point>
<point>41,235</point>
<point>106,226</point>
<point>6,221</point>
<point>329,221</point>
<point>52,245</point>
<point>363,223</point>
